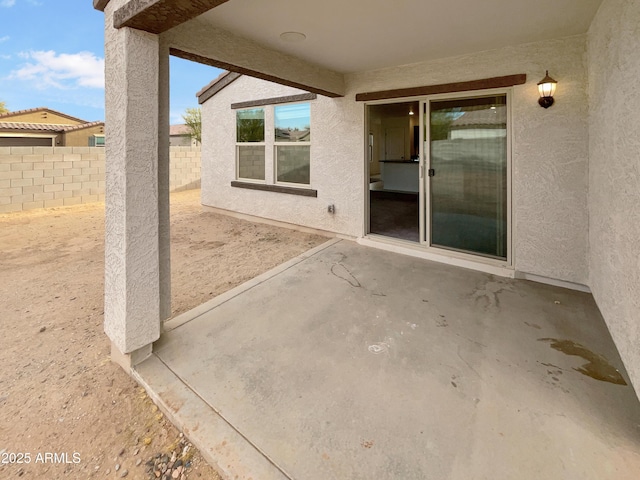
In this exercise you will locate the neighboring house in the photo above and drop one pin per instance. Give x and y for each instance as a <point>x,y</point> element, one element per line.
<point>180,136</point>
<point>553,197</point>
<point>43,127</point>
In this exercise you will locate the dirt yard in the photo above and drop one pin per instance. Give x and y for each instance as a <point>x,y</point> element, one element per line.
<point>66,411</point>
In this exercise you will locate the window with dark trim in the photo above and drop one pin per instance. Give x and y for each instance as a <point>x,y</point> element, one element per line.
<point>250,144</point>
<point>292,138</point>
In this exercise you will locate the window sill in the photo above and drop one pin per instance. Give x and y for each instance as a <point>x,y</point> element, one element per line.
<point>304,192</point>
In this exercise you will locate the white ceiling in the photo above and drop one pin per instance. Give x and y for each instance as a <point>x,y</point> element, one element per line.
<point>358,35</point>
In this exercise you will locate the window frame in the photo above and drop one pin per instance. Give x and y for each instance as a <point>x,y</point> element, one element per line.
<point>276,144</point>
<point>95,140</point>
<point>262,144</point>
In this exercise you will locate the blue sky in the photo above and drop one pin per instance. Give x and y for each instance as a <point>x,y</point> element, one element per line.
<point>52,55</point>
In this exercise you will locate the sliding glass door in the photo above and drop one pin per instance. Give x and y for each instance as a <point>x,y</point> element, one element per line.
<point>466,203</point>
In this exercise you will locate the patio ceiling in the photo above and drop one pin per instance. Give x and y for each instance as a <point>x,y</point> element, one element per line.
<point>245,36</point>
<point>360,35</point>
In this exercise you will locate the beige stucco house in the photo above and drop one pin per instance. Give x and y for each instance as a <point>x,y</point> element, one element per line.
<point>396,97</point>
<point>43,127</point>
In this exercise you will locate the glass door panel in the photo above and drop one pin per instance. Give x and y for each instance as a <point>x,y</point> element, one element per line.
<point>467,141</point>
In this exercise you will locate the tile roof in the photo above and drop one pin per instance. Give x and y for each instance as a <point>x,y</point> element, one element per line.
<point>71,128</point>
<point>180,129</point>
<point>47,127</point>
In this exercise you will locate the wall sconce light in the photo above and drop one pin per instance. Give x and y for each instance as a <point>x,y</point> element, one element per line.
<point>546,87</point>
<point>411,110</point>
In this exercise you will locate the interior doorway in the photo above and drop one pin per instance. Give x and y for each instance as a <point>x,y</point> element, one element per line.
<point>394,155</point>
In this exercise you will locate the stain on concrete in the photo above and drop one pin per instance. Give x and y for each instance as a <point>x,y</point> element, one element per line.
<point>342,272</point>
<point>551,365</point>
<point>487,294</point>
<point>533,325</point>
<point>597,367</point>
<point>378,348</point>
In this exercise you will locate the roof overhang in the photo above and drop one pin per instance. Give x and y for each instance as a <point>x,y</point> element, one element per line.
<point>345,37</point>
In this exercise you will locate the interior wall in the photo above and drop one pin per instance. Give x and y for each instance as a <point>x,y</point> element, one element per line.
<point>375,129</point>
<point>395,123</point>
<point>614,173</point>
<point>549,147</point>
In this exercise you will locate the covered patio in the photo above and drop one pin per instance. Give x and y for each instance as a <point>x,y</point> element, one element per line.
<point>351,362</point>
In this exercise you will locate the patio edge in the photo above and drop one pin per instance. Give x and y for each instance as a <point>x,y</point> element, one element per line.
<point>223,447</point>
<point>194,313</point>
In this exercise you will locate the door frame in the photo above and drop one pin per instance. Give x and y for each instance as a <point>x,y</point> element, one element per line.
<point>425,183</point>
<point>425,192</point>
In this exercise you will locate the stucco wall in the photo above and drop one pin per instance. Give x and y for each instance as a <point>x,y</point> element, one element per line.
<point>337,171</point>
<point>80,138</point>
<point>549,147</point>
<point>614,173</point>
<point>550,171</point>
<point>41,117</point>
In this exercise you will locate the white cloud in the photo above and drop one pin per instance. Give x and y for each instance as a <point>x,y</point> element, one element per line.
<point>5,38</point>
<point>4,56</point>
<point>11,3</point>
<point>176,118</point>
<point>64,70</point>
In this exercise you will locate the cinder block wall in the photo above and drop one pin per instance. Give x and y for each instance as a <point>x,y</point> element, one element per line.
<point>40,177</point>
<point>185,168</point>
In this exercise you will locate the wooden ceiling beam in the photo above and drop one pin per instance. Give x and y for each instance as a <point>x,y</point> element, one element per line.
<point>158,16</point>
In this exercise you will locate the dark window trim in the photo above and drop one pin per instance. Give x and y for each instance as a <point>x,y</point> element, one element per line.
<point>303,192</point>
<point>482,84</point>
<point>274,101</point>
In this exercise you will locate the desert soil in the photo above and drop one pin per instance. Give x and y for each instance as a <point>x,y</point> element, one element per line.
<point>63,403</point>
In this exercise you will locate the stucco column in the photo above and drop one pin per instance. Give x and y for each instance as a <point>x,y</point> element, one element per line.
<point>135,276</point>
<point>164,181</point>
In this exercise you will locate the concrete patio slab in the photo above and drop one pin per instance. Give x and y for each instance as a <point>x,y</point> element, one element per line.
<point>355,363</point>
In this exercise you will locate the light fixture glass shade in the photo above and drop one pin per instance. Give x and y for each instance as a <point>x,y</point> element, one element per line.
<point>547,86</point>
